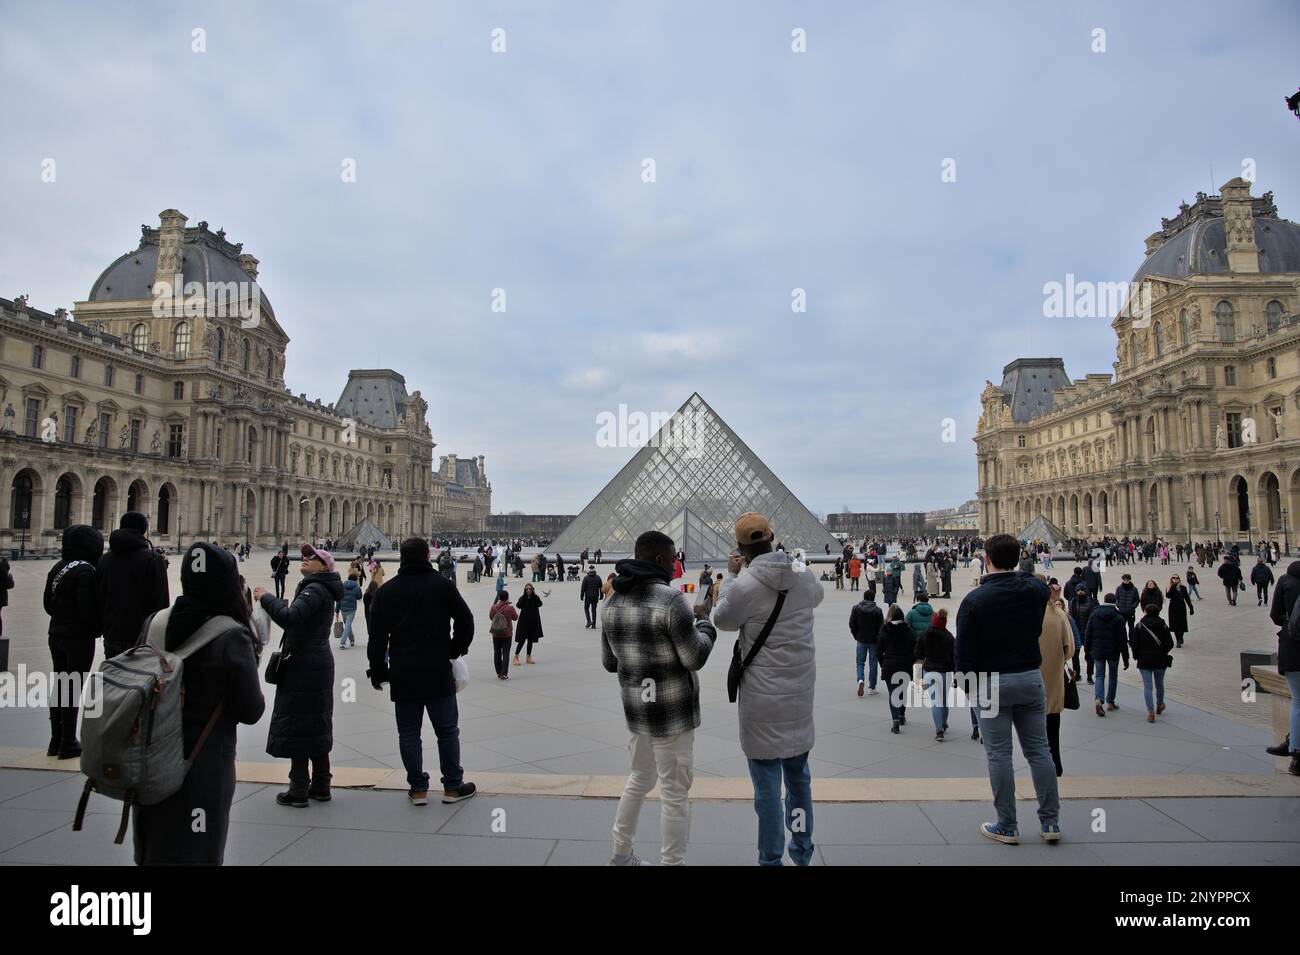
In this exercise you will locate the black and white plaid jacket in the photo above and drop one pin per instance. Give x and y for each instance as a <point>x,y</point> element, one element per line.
<point>651,639</point>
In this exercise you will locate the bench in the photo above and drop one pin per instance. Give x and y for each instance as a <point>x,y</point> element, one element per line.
<point>1268,680</point>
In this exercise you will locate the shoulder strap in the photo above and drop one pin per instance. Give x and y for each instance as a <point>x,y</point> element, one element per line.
<point>155,630</point>
<point>765,632</point>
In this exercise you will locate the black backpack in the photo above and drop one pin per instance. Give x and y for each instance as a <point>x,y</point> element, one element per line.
<point>1293,620</point>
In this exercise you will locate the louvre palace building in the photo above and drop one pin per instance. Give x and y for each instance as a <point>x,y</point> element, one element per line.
<point>1197,432</point>
<point>164,392</point>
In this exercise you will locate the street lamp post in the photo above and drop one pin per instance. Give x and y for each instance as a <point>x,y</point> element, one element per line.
<point>1218,531</point>
<point>1188,509</point>
<point>1286,540</point>
<point>22,540</point>
<point>1249,529</point>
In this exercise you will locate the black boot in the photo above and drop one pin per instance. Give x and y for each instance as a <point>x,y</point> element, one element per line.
<point>1294,768</point>
<point>1281,749</point>
<point>320,787</point>
<point>894,728</point>
<point>69,748</point>
<point>56,731</point>
<point>297,798</point>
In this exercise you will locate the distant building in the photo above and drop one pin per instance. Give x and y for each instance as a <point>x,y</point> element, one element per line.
<point>536,526</point>
<point>858,524</point>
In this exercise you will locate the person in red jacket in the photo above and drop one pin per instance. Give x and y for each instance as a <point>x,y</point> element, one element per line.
<point>678,569</point>
<point>855,573</point>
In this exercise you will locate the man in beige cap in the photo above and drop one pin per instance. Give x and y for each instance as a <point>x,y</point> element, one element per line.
<point>766,590</point>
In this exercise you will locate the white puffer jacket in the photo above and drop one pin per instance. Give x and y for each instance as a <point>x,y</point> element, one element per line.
<point>776,693</point>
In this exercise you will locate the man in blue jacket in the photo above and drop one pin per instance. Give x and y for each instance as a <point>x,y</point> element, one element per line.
<point>998,625</point>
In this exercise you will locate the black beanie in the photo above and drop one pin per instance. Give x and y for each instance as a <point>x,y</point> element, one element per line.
<point>135,521</point>
<point>209,576</point>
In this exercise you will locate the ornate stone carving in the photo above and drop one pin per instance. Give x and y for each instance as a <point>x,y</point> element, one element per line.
<point>1220,439</point>
<point>9,419</point>
<point>92,432</point>
<point>123,437</point>
<point>155,444</point>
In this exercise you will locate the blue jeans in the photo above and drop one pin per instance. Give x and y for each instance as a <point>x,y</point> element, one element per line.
<point>1192,588</point>
<point>1021,702</point>
<point>348,635</point>
<point>867,658</point>
<point>1158,678</point>
<point>445,716</point>
<point>1105,693</point>
<point>798,817</point>
<point>1293,681</point>
<point>936,690</point>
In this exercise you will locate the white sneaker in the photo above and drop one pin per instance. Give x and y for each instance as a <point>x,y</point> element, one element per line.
<point>872,692</point>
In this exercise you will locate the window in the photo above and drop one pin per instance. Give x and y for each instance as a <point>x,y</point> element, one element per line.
<point>1184,328</point>
<point>1273,311</point>
<point>217,450</point>
<point>1133,350</point>
<point>1158,336</point>
<point>1223,322</point>
<point>270,364</point>
<point>139,384</point>
<point>105,426</point>
<point>70,424</point>
<point>1234,429</point>
<point>178,391</point>
<point>74,366</point>
<point>108,376</point>
<point>175,438</point>
<point>140,336</point>
<point>1271,364</point>
<point>38,356</point>
<point>1229,374</point>
<point>246,355</point>
<point>33,417</point>
<point>181,340</point>
<point>252,445</point>
<point>136,424</point>
<point>1020,441</point>
<point>219,345</point>
<point>388,449</point>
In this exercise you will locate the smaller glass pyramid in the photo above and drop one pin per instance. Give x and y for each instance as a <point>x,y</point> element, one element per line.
<point>691,481</point>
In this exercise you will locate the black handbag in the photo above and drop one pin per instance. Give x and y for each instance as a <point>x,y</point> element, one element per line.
<point>275,664</point>
<point>737,668</point>
<point>1071,692</point>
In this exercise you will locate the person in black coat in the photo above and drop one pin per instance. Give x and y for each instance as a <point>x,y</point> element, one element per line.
<point>1262,578</point>
<point>302,719</point>
<point>1081,608</point>
<point>6,585</point>
<point>1151,594</point>
<point>865,621</point>
<point>896,646</point>
<point>72,601</point>
<point>1230,574</point>
<point>591,592</point>
<point>529,627</point>
<point>131,583</point>
<point>1180,607</point>
<point>1106,640</point>
<point>412,643</point>
<point>1151,646</point>
<point>1288,659</point>
<point>935,650</point>
<point>280,570</point>
<point>223,672</point>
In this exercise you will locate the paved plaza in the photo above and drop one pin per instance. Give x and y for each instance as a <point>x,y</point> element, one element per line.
<point>549,748</point>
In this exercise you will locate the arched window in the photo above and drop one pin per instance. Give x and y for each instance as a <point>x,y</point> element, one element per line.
<point>1132,351</point>
<point>220,345</point>
<point>1223,322</point>
<point>252,445</point>
<point>181,340</point>
<point>1158,336</point>
<point>247,353</point>
<point>1184,328</point>
<point>1274,312</point>
<point>140,336</point>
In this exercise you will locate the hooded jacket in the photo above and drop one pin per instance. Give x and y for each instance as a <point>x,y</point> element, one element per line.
<point>1284,598</point>
<point>1106,636</point>
<point>302,719</point>
<point>71,598</point>
<point>132,584</point>
<point>1126,599</point>
<point>776,693</point>
<point>419,622</point>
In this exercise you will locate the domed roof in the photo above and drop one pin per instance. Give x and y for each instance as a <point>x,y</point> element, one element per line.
<point>205,257</point>
<point>1195,242</point>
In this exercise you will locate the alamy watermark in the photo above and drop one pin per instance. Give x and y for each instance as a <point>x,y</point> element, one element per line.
<point>1081,298</point>
<point>684,431</point>
<point>180,299</point>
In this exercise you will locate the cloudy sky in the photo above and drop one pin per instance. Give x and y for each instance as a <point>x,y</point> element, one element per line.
<point>524,170</point>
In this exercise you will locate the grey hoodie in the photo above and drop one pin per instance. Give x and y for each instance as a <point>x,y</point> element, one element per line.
<point>776,693</point>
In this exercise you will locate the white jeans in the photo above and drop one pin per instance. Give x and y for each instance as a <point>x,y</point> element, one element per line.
<point>668,760</point>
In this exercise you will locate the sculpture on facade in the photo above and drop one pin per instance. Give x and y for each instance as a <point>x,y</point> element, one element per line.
<point>155,444</point>
<point>1220,439</point>
<point>1278,428</point>
<point>92,431</point>
<point>123,437</point>
<point>9,418</point>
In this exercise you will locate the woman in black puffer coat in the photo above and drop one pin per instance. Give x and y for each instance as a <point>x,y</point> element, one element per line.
<point>223,672</point>
<point>302,719</point>
<point>896,647</point>
<point>73,605</point>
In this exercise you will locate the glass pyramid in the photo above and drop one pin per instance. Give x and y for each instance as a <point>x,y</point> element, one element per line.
<point>691,481</point>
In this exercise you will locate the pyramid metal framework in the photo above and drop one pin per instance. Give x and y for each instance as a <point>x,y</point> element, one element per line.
<point>363,534</point>
<point>691,481</point>
<point>1041,529</point>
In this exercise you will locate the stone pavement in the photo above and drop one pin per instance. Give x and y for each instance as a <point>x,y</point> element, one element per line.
<point>555,732</point>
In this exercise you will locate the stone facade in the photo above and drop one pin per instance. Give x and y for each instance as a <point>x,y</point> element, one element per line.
<point>1198,432</point>
<point>176,406</point>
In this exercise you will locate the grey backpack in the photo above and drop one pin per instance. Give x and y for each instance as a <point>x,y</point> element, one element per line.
<point>132,748</point>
